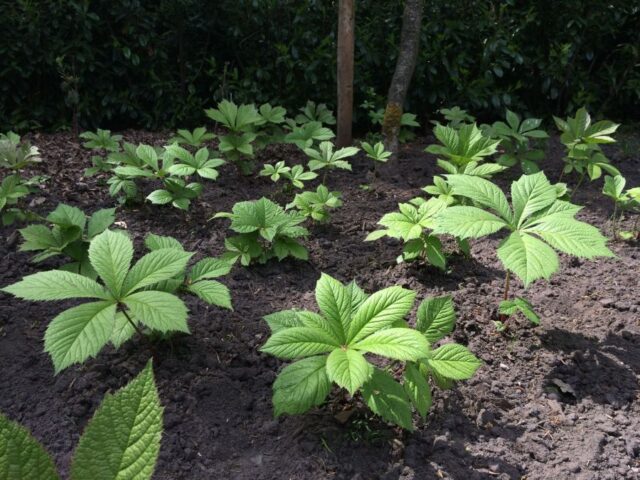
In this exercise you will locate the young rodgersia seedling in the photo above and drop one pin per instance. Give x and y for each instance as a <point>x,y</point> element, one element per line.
<point>624,201</point>
<point>127,299</point>
<point>194,139</point>
<point>295,175</point>
<point>15,155</point>
<point>412,224</point>
<point>316,205</point>
<point>582,140</point>
<point>538,220</point>
<point>265,231</point>
<point>70,233</point>
<point>101,140</point>
<point>305,135</point>
<point>330,347</point>
<point>125,430</point>
<point>455,117</point>
<point>464,149</point>
<point>326,158</point>
<point>514,138</point>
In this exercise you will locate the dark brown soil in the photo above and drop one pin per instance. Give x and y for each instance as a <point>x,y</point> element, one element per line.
<point>557,401</point>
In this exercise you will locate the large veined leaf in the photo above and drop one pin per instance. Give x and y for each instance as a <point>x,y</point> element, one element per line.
<point>22,457</point>
<point>67,216</point>
<point>285,319</point>
<point>122,440</point>
<point>348,368</point>
<point>79,333</point>
<point>100,221</point>
<point>155,267</point>
<point>380,310</point>
<point>334,300</point>
<point>468,222</point>
<point>527,257</point>
<point>396,343</point>
<point>56,285</point>
<point>530,194</point>
<point>296,342</point>
<point>417,388</point>
<point>301,385</point>
<point>209,268</point>
<point>158,310</point>
<point>481,191</point>
<point>122,330</point>
<point>387,398</point>
<point>110,254</point>
<point>156,242</point>
<point>572,236</point>
<point>212,292</point>
<point>454,361</point>
<point>436,318</point>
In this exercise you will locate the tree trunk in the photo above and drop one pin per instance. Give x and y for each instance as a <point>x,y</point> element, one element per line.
<point>405,65</point>
<point>346,22</point>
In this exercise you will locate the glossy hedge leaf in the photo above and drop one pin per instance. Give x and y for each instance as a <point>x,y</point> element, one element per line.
<point>22,457</point>
<point>126,431</point>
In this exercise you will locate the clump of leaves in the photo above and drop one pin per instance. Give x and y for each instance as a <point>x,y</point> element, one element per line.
<point>624,201</point>
<point>538,221</point>
<point>463,150</point>
<point>13,190</point>
<point>315,113</point>
<point>376,152</point>
<point>124,301</point>
<point>455,117</point>
<point>510,307</point>
<point>295,175</point>
<point>126,430</point>
<point>200,163</point>
<point>101,140</point>
<point>305,135</point>
<point>240,121</point>
<point>324,157</point>
<point>582,140</point>
<point>70,234</point>
<point>316,205</point>
<point>441,190</point>
<point>270,125</point>
<point>330,347</point>
<point>413,225</point>
<point>265,231</point>
<point>196,138</point>
<point>177,192</point>
<point>515,136</point>
<point>16,155</point>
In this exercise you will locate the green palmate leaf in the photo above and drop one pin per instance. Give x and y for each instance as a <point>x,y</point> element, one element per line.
<point>126,432</point>
<point>296,342</point>
<point>454,361</point>
<point>122,330</point>
<point>348,368</point>
<point>334,300</point>
<point>572,236</point>
<point>56,285</point>
<point>387,398</point>
<point>301,385</point>
<point>209,268</point>
<point>436,318</point>
<point>67,216</point>
<point>79,333</point>
<point>22,457</point>
<point>396,343</point>
<point>285,319</point>
<point>160,197</point>
<point>158,310</point>
<point>468,222</point>
<point>100,221</point>
<point>530,194</point>
<point>212,292</point>
<point>155,267</point>
<point>110,254</point>
<point>481,191</point>
<point>509,307</point>
<point>417,389</point>
<point>527,257</point>
<point>379,311</point>
<point>156,242</point>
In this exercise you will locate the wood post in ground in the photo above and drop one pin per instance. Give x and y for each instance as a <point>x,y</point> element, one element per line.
<point>346,41</point>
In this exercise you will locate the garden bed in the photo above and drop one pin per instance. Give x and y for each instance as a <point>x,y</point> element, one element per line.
<point>555,401</point>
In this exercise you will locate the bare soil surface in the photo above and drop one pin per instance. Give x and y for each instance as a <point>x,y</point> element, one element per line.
<point>556,401</point>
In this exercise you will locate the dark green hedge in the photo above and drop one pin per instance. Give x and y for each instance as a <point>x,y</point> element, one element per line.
<point>150,64</point>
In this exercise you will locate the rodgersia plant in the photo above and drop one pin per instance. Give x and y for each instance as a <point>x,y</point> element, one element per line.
<point>125,430</point>
<point>195,139</point>
<point>124,301</point>
<point>16,154</point>
<point>265,231</point>
<point>332,347</point>
<point>464,150</point>
<point>539,223</point>
<point>624,201</point>
<point>316,205</point>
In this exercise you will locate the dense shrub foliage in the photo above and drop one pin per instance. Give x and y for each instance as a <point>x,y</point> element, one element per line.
<point>150,64</point>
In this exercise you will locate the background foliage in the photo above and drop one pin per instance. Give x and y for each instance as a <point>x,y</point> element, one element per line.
<point>158,63</point>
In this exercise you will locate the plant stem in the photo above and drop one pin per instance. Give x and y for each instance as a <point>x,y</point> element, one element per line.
<point>578,185</point>
<point>615,220</point>
<point>507,283</point>
<point>137,329</point>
